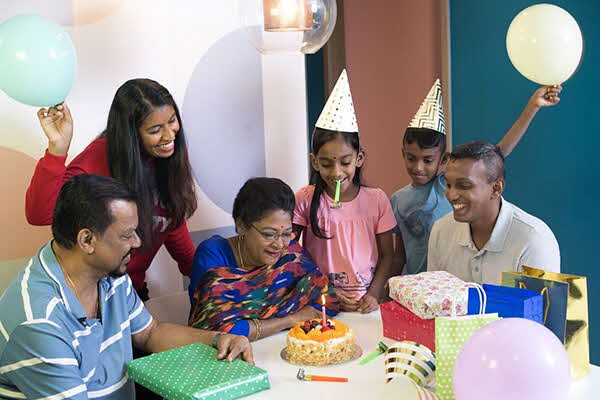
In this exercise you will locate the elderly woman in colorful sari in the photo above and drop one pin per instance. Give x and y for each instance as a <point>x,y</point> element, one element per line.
<point>261,281</point>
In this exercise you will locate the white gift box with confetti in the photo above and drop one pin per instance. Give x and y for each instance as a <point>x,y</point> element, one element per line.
<point>430,294</point>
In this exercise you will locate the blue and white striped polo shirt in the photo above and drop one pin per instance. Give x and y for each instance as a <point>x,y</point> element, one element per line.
<point>49,349</point>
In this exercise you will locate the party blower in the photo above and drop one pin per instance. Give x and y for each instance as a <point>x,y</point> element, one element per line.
<point>303,376</point>
<point>336,199</point>
<point>381,348</point>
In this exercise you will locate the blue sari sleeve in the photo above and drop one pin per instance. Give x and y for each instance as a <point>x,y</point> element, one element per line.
<point>242,327</point>
<point>211,253</point>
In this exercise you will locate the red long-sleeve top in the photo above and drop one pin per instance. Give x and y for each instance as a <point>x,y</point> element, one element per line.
<point>51,173</point>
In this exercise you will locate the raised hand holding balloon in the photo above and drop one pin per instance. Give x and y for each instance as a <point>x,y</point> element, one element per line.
<point>57,124</point>
<point>37,60</point>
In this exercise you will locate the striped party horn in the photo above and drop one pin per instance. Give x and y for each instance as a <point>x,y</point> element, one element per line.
<point>412,360</point>
<point>403,388</point>
<point>425,394</point>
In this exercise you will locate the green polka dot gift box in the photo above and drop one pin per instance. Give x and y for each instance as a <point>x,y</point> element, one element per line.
<point>451,333</point>
<point>193,372</point>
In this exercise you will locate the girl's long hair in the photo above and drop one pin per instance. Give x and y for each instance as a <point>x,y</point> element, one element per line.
<point>319,139</point>
<point>167,182</point>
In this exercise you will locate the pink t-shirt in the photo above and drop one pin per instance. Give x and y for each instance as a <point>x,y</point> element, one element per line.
<point>349,258</point>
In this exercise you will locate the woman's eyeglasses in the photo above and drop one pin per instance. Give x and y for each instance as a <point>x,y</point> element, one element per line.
<point>286,237</point>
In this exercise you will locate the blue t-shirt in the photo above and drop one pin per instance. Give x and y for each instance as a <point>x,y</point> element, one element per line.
<point>416,209</point>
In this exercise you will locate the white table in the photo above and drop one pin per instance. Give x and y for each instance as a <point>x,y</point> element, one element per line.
<point>366,382</point>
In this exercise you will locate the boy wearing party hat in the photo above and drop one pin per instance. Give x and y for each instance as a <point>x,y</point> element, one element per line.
<point>422,202</point>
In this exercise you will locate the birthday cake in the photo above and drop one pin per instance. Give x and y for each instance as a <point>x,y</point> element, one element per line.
<point>310,343</point>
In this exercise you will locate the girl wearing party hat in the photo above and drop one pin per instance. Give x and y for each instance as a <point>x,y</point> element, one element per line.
<point>346,225</point>
<point>422,202</point>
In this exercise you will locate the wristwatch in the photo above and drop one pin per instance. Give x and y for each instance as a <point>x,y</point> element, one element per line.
<point>215,339</point>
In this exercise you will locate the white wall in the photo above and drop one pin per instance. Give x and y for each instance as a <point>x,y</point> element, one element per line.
<point>174,43</point>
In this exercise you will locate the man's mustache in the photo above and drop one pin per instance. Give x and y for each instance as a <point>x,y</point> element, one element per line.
<point>130,252</point>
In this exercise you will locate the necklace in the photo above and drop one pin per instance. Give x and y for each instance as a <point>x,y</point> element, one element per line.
<point>97,308</point>
<point>70,281</point>
<point>66,274</point>
<point>239,248</point>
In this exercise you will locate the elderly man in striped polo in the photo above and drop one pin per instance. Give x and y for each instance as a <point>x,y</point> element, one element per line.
<point>67,323</point>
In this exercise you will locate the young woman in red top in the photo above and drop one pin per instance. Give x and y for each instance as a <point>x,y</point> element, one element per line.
<point>144,146</point>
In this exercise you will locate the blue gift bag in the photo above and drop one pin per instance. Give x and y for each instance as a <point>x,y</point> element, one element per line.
<point>556,297</point>
<point>509,302</point>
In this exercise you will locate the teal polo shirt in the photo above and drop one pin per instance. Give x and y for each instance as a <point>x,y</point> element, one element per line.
<point>49,349</point>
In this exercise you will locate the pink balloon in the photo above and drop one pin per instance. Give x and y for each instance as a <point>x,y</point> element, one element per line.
<point>515,359</point>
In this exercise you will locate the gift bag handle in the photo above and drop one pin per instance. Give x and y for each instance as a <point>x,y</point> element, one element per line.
<point>481,294</point>
<point>543,292</point>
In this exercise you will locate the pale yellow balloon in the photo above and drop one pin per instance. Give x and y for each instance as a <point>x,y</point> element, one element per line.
<point>545,44</point>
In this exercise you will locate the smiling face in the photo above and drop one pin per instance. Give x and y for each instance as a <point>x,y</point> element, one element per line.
<point>422,164</point>
<point>266,240</point>
<point>472,195</point>
<point>337,160</point>
<point>158,132</point>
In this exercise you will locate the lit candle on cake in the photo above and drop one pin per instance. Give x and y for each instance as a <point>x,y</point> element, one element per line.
<point>324,322</point>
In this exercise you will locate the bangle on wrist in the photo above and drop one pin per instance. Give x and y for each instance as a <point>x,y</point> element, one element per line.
<point>257,328</point>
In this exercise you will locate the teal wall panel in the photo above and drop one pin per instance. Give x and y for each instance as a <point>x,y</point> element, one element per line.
<point>551,173</point>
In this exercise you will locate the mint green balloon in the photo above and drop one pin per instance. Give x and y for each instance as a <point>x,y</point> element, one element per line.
<point>37,60</point>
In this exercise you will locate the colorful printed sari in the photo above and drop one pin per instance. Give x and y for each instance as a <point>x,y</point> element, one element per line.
<point>225,295</point>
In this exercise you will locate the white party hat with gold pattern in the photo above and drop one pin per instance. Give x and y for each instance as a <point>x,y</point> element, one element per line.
<point>431,112</point>
<point>338,113</point>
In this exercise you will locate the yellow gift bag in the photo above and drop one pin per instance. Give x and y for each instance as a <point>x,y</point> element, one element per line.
<point>565,310</point>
